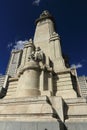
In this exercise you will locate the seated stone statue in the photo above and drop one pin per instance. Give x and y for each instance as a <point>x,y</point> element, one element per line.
<point>37,55</point>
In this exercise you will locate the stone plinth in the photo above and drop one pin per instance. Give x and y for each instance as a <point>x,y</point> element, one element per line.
<point>27,109</point>
<point>28,84</point>
<point>46,125</point>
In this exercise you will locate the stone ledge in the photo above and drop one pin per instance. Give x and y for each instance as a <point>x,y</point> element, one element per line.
<point>13,79</point>
<point>76,100</point>
<point>24,100</point>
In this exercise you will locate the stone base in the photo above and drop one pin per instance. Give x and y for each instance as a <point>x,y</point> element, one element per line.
<point>27,109</point>
<point>46,125</point>
<point>76,126</point>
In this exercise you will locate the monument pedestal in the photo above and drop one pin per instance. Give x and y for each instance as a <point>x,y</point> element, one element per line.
<point>27,109</point>
<point>35,113</point>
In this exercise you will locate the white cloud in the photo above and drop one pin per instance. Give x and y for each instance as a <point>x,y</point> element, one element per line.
<point>77,66</point>
<point>19,44</point>
<point>36,2</point>
<point>9,45</point>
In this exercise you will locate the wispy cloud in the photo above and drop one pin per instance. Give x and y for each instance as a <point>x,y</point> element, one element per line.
<point>77,66</point>
<point>9,45</point>
<point>36,2</point>
<point>19,44</point>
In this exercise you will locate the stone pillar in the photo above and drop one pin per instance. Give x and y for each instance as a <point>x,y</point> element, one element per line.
<point>28,84</point>
<point>28,48</point>
<point>24,56</point>
<point>56,53</point>
<point>55,46</point>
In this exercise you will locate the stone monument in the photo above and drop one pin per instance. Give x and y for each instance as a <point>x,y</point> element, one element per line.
<point>41,91</point>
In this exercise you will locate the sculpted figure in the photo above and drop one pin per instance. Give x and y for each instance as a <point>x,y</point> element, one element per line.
<point>37,55</point>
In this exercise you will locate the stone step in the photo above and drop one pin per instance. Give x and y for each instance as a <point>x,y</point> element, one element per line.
<point>84,89</point>
<point>2,79</point>
<point>15,86</point>
<point>12,89</point>
<point>8,94</point>
<point>83,86</point>
<point>7,97</point>
<point>11,92</point>
<point>84,94</point>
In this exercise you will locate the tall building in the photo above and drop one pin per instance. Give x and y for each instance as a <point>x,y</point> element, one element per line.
<point>40,91</point>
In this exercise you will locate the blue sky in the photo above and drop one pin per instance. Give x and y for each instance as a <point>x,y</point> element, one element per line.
<point>17,24</point>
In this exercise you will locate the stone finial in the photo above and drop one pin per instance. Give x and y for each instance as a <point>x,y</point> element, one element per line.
<point>45,15</point>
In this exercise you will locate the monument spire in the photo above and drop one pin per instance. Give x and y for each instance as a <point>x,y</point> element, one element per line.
<point>44,27</point>
<point>47,38</point>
